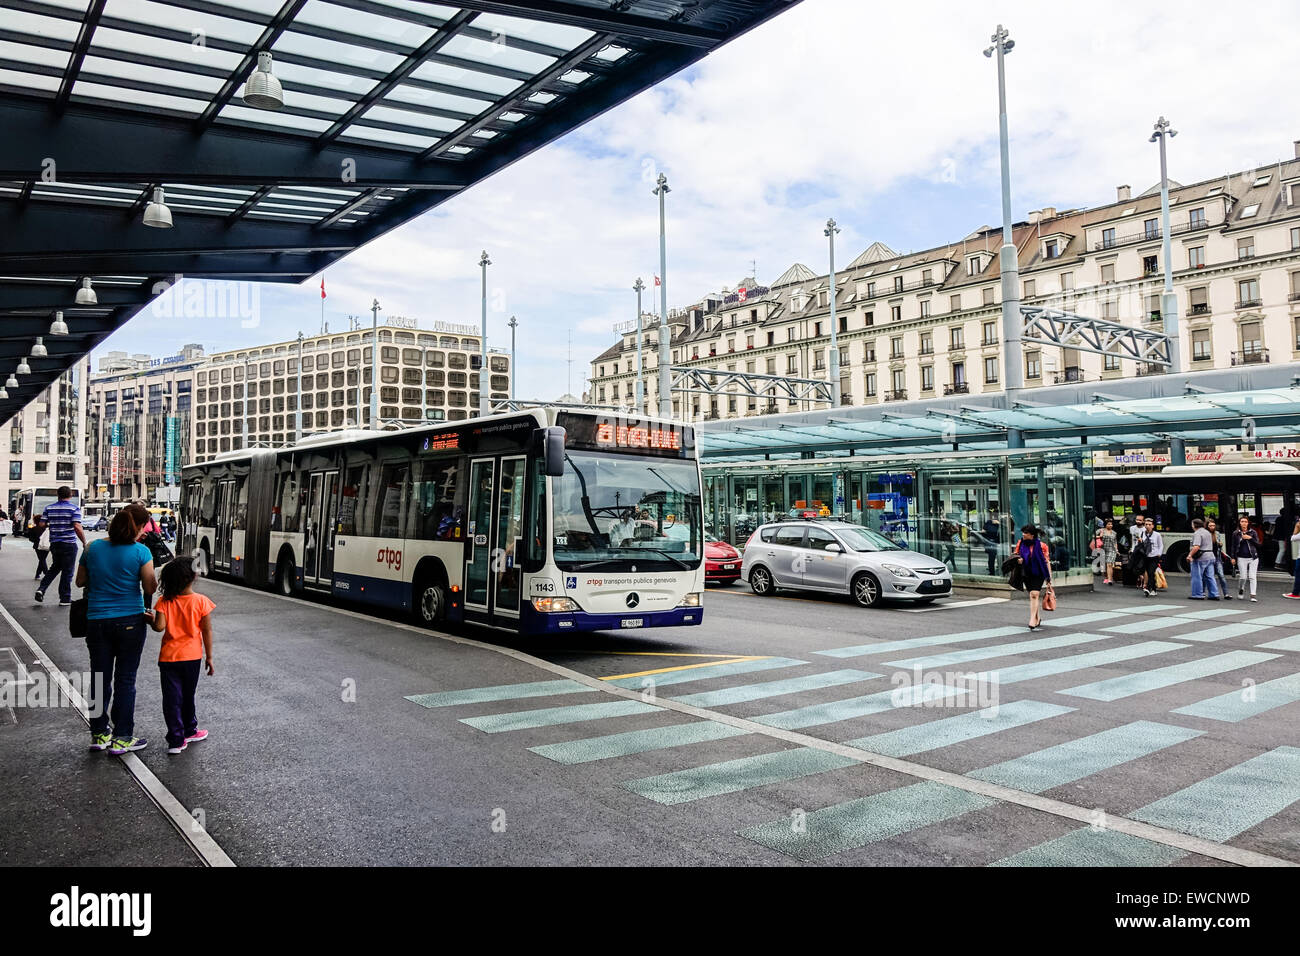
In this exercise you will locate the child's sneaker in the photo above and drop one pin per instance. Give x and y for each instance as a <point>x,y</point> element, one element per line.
<point>101,741</point>
<point>124,745</point>
<point>179,749</point>
<point>196,737</point>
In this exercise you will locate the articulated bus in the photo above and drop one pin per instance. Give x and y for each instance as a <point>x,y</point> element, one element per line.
<point>540,521</point>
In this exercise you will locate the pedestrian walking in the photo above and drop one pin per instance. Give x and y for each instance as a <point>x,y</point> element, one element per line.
<point>63,519</point>
<point>1137,551</point>
<point>40,535</point>
<point>1244,555</point>
<point>1201,559</point>
<point>185,620</point>
<point>1295,546</point>
<point>1109,550</point>
<point>1036,569</point>
<point>1153,548</point>
<point>1220,559</point>
<point>114,571</point>
<point>992,535</point>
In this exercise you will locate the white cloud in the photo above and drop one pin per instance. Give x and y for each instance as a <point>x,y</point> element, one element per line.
<point>884,116</point>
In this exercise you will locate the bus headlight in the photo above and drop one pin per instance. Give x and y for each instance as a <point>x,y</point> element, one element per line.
<point>552,605</point>
<point>693,599</point>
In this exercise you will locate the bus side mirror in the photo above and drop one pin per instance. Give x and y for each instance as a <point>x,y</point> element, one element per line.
<point>549,445</point>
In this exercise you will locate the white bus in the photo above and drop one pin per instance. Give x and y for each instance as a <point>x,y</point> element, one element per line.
<point>540,521</point>
<point>32,501</point>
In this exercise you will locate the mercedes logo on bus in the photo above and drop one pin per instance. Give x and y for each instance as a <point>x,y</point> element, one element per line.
<point>633,599</point>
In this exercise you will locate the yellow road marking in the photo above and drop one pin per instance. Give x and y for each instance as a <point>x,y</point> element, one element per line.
<point>685,667</point>
<point>653,654</point>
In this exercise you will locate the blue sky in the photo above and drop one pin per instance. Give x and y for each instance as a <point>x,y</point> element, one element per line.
<point>884,117</point>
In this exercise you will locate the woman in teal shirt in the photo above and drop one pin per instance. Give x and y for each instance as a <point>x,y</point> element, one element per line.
<point>114,572</point>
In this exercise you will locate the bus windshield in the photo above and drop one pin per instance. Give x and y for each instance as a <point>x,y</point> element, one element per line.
<point>617,511</point>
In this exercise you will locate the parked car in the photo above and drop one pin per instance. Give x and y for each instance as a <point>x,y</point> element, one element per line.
<point>840,558</point>
<point>98,524</point>
<point>721,561</point>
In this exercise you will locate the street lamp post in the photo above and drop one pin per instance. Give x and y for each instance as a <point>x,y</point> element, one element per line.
<point>513,323</point>
<point>484,405</point>
<point>1168,301</point>
<point>297,423</point>
<point>665,333</point>
<point>424,382</point>
<point>640,366</point>
<point>1012,324</point>
<point>374,370</point>
<point>834,375</point>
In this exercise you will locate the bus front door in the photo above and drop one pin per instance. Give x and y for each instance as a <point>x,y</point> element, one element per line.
<point>496,514</point>
<point>319,528</point>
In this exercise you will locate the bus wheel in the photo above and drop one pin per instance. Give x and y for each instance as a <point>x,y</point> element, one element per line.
<point>285,575</point>
<point>430,602</point>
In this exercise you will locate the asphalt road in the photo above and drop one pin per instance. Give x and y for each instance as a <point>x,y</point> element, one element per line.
<point>344,738</point>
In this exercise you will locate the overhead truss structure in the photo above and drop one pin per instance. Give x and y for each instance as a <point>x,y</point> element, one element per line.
<point>1047,326</point>
<point>390,109</point>
<point>709,381</point>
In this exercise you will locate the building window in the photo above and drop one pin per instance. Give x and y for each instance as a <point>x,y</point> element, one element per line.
<point>1196,218</point>
<point>898,283</point>
<point>871,290</point>
<point>1053,249</point>
<point>958,373</point>
<point>868,351</point>
<point>789,334</point>
<point>896,347</point>
<point>1033,365</point>
<point>771,366</point>
<point>1151,229</point>
<point>819,360</point>
<point>954,303</point>
<point>1196,257</point>
<point>899,378</point>
<point>1295,232</point>
<point>1110,309</point>
<point>927,343</point>
<point>956,337</point>
<point>1201,345</point>
<point>1252,342</point>
<point>988,296</point>
<point>1108,272</point>
<point>895,313</point>
<point>1150,265</point>
<point>1248,293</point>
<point>15,470</point>
<point>1197,302</point>
<point>1246,247</point>
<point>927,277</point>
<point>868,318</point>
<point>1110,362</point>
<point>990,333</point>
<point>990,370</point>
<point>1067,281</point>
<point>925,308</point>
<point>1297,332</point>
<point>792,364</point>
<point>1030,286</point>
<point>973,266</point>
<point>1107,238</point>
<point>927,378</point>
<point>871,383</point>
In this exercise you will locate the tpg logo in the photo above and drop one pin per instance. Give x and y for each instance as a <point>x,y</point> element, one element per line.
<point>389,557</point>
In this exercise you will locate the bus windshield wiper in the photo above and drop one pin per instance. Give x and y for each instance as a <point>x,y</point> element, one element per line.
<point>677,561</point>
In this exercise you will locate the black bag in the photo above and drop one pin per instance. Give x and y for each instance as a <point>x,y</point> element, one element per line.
<point>1017,578</point>
<point>79,611</point>
<point>157,547</point>
<point>1142,547</point>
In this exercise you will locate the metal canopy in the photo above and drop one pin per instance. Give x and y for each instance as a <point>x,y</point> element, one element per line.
<point>391,107</point>
<point>1216,407</point>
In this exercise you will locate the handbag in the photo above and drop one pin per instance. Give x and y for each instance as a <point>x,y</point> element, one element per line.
<point>157,547</point>
<point>1049,598</point>
<point>78,613</point>
<point>1161,583</point>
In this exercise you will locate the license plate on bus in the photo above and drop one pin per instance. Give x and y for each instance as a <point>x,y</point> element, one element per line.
<point>631,622</point>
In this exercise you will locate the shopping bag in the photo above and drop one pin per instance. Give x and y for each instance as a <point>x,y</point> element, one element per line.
<point>1161,583</point>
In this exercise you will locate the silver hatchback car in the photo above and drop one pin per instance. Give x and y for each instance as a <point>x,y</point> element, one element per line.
<point>841,558</point>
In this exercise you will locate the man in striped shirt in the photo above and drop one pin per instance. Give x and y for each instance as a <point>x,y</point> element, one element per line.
<point>64,521</point>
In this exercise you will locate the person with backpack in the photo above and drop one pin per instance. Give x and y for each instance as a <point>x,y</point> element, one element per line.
<point>1153,546</point>
<point>1036,570</point>
<point>1244,555</point>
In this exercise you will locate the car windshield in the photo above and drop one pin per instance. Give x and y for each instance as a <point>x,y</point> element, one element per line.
<point>863,539</point>
<point>620,511</point>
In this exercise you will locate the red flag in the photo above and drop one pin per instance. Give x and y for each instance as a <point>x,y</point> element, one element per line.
<point>656,280</point>
<point>322,287</point>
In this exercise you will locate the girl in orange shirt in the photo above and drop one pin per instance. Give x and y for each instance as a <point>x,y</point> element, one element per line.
<point>185,620</point>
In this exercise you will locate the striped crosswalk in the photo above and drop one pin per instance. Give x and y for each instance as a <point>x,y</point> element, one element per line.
<point>734,728</point>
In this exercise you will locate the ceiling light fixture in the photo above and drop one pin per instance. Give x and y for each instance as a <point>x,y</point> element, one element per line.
<point>11,381</point>
<point>263,90</point>
<point>86,294</point>
<point>23,367</point>
<point>58,326</point>
<point>39,350</point>
<point>157,214</point>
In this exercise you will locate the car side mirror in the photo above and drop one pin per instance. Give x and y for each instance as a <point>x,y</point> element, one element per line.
<point>834,548</point>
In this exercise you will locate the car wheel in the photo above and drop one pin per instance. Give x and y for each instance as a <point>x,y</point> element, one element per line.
<point>760,582</point>
<point>866,590</point>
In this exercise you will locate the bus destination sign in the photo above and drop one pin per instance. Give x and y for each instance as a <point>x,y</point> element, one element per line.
<point>616,433</point>
<point>442,441</point>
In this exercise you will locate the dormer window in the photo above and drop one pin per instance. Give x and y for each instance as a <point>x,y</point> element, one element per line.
<point>1051,249</point>
<point>974,265</point>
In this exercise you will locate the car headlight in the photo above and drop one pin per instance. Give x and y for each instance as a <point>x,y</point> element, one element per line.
<point>555,604</point>
<point>898,571</point>
<point>694,599</point>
